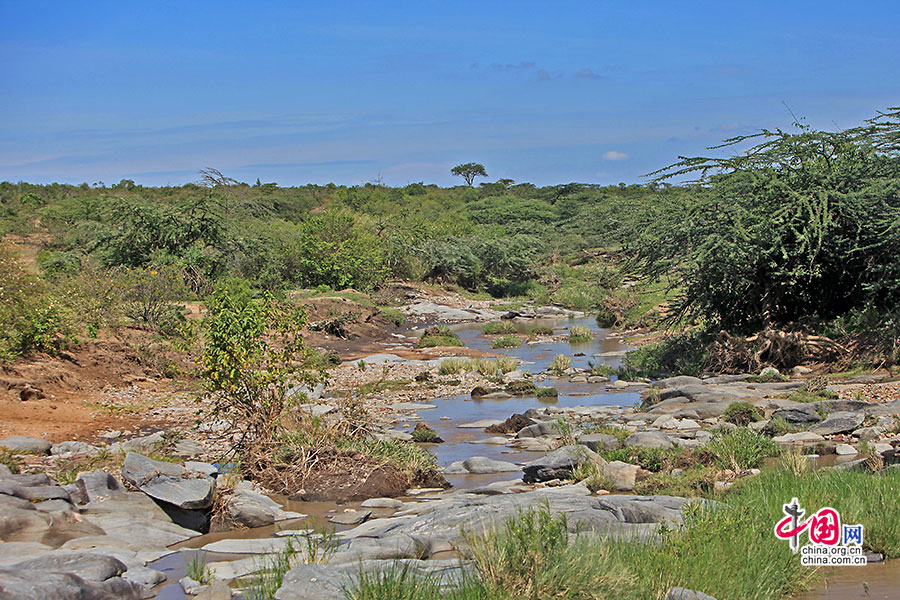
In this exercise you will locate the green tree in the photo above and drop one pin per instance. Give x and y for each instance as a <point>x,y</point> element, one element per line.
<point>800,226</point>
<point>469,172</point>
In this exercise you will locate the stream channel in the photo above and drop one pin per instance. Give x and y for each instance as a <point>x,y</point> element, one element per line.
<point>879,580</point>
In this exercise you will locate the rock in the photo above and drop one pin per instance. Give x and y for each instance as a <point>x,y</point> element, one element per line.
<point>482,465</point>
<point>351,517</point>
<point>87,565</point>
<point>680,593</point>
<point>249,545</point>
<point>845,450</point>
<point>382,503</point>
<point>688,425</point>
<point>191,587</point>
<point>801,437</point>
<point>492,441</point>
<point>621,474</point>
<point>649,439</point>
<point>537,430</point>
<point>839,422</point>
<point>800,414</point>
<point>313,582</point>
<point>98,485</point>
<point>558,464</point>
<point>679,381</point>
<point>76,448</point>
<point>26,585</point>
<point>217,590</point>
<point>21,443</point>
<point>148,443</point>
<point>599,441</point>
<point>249,508</point>
<point>201,468</point>
<point>511,425</point>
<point>665,422</point>
<point>188,448</point>
<point>868,434</point>
<point>168,482</point>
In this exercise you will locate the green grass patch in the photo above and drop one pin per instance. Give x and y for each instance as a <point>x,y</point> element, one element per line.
<point>741,413</point>
<point>540,330</point>
<point>579,334</point>
<point>507,341</point>
<point>547,392</point>
<point>395,316</point>
<point>806,396</point>
<point>741,448</point>
<point>439,335</point>
<point>9,459</point>
<point>560,364</point>
<point>499,328</point>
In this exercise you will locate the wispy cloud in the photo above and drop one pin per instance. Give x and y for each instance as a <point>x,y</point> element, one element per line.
<point>614,155</point>
<point>587,74</point>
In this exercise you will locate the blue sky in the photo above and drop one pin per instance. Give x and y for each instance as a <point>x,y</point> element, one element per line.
<point>313,92</point>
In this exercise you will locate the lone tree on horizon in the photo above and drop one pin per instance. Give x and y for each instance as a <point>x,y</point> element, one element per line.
<point>469,172</point>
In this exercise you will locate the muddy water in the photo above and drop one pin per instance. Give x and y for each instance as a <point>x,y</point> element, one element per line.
<point>877,581</point>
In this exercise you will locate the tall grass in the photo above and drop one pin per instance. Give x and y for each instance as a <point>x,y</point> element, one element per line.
<point>560,364</point>
<point>578,334</point>
<point>499,328</point>
<point>507,341</point>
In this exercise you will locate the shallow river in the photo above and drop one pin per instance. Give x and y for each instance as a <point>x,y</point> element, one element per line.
<point>876,581</point>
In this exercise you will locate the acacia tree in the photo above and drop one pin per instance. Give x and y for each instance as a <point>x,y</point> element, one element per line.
<point>800,226</point>
<point>469,172</point>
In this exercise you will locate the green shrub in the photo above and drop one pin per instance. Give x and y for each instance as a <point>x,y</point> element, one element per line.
<point>540,330</point>
<point>741,448</point>
<point>560,364</point>
<point>741,413</point>
<point>499,327</point>
<point>522,388</point>
<point>507,341</point>
<point>439,335</point>
<point>683,354</point>
<point>580,335</point>
<point>423,434</point>
<point>397,317</point>
<point>547,392</point>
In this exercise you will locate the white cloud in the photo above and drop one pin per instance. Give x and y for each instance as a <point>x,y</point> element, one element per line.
<point>614,155</point>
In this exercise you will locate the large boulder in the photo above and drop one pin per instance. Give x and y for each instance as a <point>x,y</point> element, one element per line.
<point>39,585</point>
<point>620,474</point>
<point>649,439</point>
<point>480,465</point>
<point>558,464</point>
<point>839,422</point>
<point>800,414</point>
<point>249,508</point>
<point>168,482</point>
<point>22,443</point>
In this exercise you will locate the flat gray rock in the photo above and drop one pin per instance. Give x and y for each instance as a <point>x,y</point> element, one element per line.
<point>839,422</point>
<point>599,441</point>
<point>22,443</point>
<point>649,439</point>
<point>249,508</point>
<point>168,482</point>
<point>558,464</point>
<point>352,517</point>
<point>75,448</point>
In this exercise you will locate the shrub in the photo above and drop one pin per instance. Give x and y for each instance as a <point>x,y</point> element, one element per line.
<point>507,341</point>
<point>741,413</point>
<point>579,334</point>
<point>741,448</point>
<point>540,330</point>
<point>397,317</point>
<point>423,434</point>
<point>149,293</point>
<point>439,335</point>
<point>683,354</point>
<point>507,364</point>
<point>547,392</point>
<point>522,388</point>
<point>777,426</point>
<point>499,327</point>
<point>560,364</point>
<point>453,366</point>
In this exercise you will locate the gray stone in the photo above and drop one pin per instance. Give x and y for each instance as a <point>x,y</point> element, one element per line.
<point>87,565</point>
<point>620,474</point>
<point>313,582</point>
<point>249,508</point>
<point>536,430</point>
<point>351,517</point>
<point>845,450</point>
<point>649,439</point>
<point>249,546</point>
<point>558,464</point>
<point>382,503</point>
<point>53,506</point>
<point>481,465</point>
<point>147,443</point>
<point>679,381</point>
<point>27,585</point>
<point>801,414</point>
<point>217,590</point>
<point>188,448</point>
<point>167,482</point>
<point>480,424</point>
<point>839,422</point>
<point>201,468</point>
<point>98,485</point>
<point>680,593</point>
<point>22,443</point>
<point>76,448</point>
<point>599,441</point>
<point>801,437</point>
<point>868,434</point>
